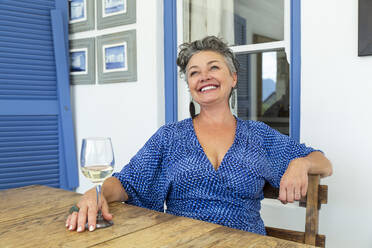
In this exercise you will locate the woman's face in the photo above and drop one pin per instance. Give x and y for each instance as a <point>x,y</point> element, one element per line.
<point>209,78</point>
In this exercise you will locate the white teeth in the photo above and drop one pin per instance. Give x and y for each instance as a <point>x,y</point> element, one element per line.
<point>208,88</point>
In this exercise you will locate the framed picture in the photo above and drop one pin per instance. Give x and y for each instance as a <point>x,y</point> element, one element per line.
<point>364,28</point>
<point>82,61</point>
<point>111,13</point>
<point>117,57</point>
<point>81,15</point>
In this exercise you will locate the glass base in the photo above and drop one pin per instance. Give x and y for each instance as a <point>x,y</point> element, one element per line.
<point>101,222</point>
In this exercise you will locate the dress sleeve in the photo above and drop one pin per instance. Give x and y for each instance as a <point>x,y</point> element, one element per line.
<point>280,150</point>
<point>144,178</point>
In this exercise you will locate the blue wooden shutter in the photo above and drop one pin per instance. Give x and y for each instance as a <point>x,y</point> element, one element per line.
<point>36,133</point>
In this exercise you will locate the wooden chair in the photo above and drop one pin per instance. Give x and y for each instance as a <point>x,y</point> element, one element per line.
<point>316,195</point>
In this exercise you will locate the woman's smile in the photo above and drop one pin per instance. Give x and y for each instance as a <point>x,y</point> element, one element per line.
<point>209,78</point>
<point>208,88</point>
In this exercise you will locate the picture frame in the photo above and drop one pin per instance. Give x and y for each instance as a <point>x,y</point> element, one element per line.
<point>364,28</point>
<point>112,13</point>
<point>81,15</point>
<point>82,61</point>
<point>117,57</point>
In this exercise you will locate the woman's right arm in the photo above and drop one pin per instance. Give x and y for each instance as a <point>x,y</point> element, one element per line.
<point>112,190</point>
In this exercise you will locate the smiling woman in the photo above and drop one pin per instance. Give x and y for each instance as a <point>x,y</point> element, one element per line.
<point>208,63</point>
<point>209,78</point>
<point>211,167</point>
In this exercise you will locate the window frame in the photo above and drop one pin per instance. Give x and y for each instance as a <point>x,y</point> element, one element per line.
<point>291,44</point>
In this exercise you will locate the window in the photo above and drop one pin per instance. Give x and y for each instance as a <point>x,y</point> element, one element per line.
<point>260,37</point>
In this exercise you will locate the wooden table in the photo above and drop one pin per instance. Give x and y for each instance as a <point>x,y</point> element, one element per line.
<point>34,216</point>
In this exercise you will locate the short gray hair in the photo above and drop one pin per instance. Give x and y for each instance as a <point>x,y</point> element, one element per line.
<point>209,43</point>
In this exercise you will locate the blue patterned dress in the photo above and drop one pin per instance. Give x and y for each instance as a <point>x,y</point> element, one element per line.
<point>173,168</point>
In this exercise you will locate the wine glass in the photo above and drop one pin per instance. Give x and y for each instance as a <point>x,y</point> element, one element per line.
<point>97,163</point>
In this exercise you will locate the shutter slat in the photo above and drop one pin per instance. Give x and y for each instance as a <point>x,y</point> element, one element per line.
<point>27,158</point>
<point>18,18</point>
<point>46,69</point>
<point>17,134</point>
<point>4,150</point>
<point>16,60</point>
<point>29,165</point>
<point>28,138</point>
<point>26,35</point>
<point>29,143</point>
<point>27,82</point>
<point>30,26</point>
<point>15,29</point>
<point>23,48</point>
<point>21,153</point>
<point>27,128</point>
<point>30,5</point>
<point>17,97</point>
<point>31,87</point>
<point>49,3</point>
<point>42,55</point>
<point>22,118</point>
<point>52,182</point>
<point>25,43</point>
<point>27,92</point>
<point>28,123</point>
<point>23,77</point>
<point>12,7</point>
<point>28,72</point>
<point>30,174</point>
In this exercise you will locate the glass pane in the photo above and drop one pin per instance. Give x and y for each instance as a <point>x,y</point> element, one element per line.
<point>263,89</point>
<point>239,22</point>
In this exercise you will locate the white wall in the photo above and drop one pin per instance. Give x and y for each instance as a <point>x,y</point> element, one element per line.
<point>336,93</point>
<point>336,116</point>
<point>128,112</point>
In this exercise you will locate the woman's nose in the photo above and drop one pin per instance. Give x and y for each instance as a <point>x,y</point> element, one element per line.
<point>204,76</point>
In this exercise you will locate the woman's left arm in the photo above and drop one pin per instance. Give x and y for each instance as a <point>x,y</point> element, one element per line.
<point>294,182</point>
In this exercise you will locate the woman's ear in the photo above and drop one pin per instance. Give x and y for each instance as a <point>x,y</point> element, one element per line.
<point>235,78</point>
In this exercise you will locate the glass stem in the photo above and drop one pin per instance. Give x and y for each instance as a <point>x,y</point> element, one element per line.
<point>98,191</point>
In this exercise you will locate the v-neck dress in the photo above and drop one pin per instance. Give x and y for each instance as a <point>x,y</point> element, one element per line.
<point>173,168</point>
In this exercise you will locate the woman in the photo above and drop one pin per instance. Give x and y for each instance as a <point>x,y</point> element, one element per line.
<point>213,166</point>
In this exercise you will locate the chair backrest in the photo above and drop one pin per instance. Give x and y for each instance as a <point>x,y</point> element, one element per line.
<point>316,195</point>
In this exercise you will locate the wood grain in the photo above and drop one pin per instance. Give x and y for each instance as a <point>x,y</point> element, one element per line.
<point>172,233</point>
<point>224,237</point>
<point>33,201</point>
<point>312,212</point>
<point>35,217</point>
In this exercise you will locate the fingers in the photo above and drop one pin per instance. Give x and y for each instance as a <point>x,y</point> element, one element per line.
<point>92,218</point>
<point>82,219</point>
<point>105,211</point>
<point>304,189</point>
<point>297,193</point>
<point>68,221</point>
<point>73,221</point>
<point>282,194</point>
<point>87,210</point>
<point>291,193</point>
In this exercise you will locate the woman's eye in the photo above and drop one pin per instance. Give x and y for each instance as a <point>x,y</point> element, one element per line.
<point>214,67</point>
<point>193,73</point>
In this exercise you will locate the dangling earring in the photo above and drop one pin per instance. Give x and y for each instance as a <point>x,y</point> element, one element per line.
<point>192,109</point>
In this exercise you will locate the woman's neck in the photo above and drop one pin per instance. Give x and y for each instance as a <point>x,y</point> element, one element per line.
<point>215,115</point>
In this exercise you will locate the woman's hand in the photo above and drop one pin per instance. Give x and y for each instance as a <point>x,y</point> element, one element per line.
<point>87,210</point>
<point>293,185</point>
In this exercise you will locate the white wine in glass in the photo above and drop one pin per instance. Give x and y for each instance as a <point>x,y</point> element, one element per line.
<point>97,164</point>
